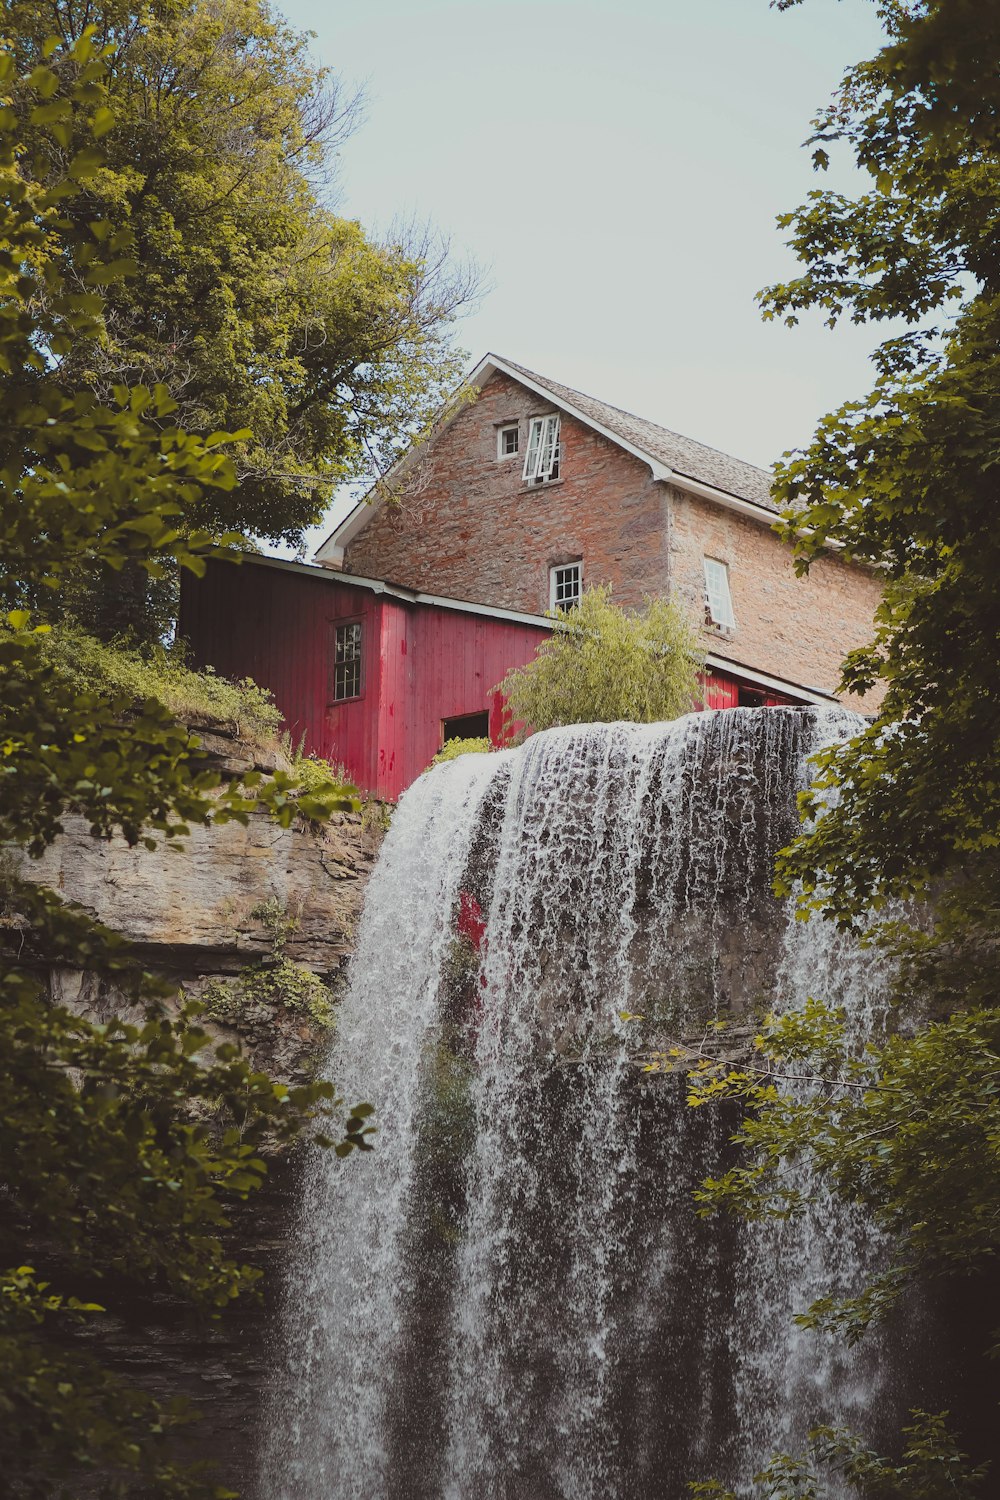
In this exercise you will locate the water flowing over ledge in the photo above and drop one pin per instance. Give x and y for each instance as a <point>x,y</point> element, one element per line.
<point>512,1297</point>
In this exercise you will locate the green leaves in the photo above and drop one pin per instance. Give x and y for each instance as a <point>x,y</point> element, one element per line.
<point>932,1466</point>
<point>254,305</point>
<point>102,121</point>
<point>903,822</point>
<point>602,664</point>
<point>124,1144</point>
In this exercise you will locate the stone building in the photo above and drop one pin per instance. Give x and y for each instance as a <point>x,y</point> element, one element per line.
<point>524,496</point>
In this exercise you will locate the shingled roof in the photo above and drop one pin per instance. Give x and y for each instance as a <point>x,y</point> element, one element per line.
<point>669,454</point>
<point>688,459</point>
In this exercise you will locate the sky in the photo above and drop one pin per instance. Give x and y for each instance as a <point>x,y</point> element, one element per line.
<point>615,170</point>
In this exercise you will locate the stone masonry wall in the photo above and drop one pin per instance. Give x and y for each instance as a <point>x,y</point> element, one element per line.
<point>468,526</point>
<point>796,628</point>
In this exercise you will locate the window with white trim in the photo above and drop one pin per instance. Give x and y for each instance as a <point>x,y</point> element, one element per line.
<point>565,585</point>
<point>508,440</point>
<point>541,462</point>
<point>718,599</point>
<point>347,662</point>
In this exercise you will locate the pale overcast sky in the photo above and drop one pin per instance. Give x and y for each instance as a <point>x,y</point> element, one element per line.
<point>616,170</point>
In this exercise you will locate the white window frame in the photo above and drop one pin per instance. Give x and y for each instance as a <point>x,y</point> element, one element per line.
<point>718,597</point>
<point>562,605</point>
<point>541,462</point>
<point>348,660</point>
<point>502,457</point>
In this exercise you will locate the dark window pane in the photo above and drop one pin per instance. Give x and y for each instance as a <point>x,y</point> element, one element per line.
<point>347,662</point>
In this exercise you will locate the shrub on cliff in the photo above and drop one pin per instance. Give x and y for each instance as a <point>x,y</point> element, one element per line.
<point>157,672</point>
<point>602,664</point>
<point>476,745</point>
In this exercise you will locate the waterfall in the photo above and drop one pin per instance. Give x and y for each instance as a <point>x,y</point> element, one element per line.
<point>511,1298</point>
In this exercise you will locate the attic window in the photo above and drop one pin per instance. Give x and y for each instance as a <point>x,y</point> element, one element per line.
<point>718,600</point>
<point>507,440</point>
<point>541,462</point>
<point>347,662</point>
<point>565,586</point>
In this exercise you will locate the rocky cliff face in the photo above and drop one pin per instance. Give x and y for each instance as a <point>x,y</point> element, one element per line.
<point>234,902</point>
<point>228,902</point>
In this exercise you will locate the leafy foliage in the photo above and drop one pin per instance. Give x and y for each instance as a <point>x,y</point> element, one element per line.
<point>477,745</point>
<point>602,664</point>
<point>274,981</point>
<point>910,1128</point>
<point>191,696</point>
<point>252,304</point>
<point>905,480</point>
<point>122,1144</point>
<point>931,1467</point>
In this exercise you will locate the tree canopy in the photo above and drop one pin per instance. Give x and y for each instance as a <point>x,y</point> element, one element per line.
<point>908,812</point>
<point>255,305</point>
<point>602,663</point>
<point>111,1167</point>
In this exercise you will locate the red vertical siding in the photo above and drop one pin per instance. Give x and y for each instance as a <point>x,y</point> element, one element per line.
<point>276,627</point>
<point>394,700</point>
<point>719,691</point>
<point>421,663</point>
<point>456,661</point>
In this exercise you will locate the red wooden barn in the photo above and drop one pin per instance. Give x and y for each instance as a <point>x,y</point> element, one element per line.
<point>377,677</point>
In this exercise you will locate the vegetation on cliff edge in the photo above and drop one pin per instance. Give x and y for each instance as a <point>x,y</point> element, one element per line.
<point>107,1177</point>
<point>602,664</point>
<point>906,478</point>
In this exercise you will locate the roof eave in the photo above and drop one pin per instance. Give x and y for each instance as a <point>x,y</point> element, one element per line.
<point>332,550</point>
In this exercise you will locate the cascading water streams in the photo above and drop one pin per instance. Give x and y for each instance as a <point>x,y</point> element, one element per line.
<point>354,1278</point>
<point>512,1298</point>
<point>786,1376</point>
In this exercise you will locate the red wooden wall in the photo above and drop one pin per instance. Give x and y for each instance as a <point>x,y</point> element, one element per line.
<point>421,663</point>
<point>722,691</point>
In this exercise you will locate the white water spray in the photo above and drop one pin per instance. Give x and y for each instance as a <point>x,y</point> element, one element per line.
<point>511,1298</point>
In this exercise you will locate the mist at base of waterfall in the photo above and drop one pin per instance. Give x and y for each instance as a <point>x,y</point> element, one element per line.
<point>512,1297</point>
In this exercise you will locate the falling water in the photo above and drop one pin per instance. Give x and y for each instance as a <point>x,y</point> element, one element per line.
<point>512,1298</point>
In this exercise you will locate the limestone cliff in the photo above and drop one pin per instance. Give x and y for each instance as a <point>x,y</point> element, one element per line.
<point>201,914</point>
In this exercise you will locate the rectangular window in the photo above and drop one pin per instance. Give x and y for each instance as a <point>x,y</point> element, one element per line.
<point>718,600</point>
<point>541,461</point>
<point>347,662</point>
<point>507,441</point>
<point>466,727</point>
<point>565,585</point>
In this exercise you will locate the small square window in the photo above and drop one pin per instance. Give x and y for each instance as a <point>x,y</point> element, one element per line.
<point>565,586</point>
<point>541,462</point>
<point>347,662</point>
<point>508,441</point>
<point>718,599</point>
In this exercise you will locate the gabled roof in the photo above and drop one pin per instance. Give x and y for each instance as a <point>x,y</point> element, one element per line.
<point>671,457</point>
<point>685,458</point>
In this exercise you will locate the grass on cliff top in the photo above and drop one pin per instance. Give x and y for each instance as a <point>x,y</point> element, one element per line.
<point>197,698</point>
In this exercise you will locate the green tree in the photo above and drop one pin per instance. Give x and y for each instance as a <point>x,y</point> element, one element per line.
<point>602,663</point>
<point>905,478</point>
<point>111,1168</point>
<point>254,305</point>
<point>931,1467</point>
